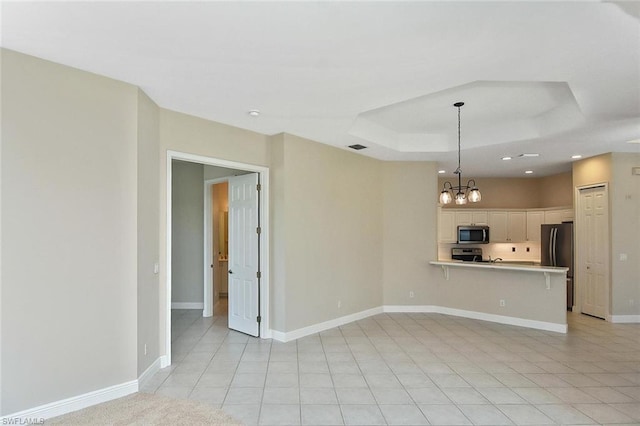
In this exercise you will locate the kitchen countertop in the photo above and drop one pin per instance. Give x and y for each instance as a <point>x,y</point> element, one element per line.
<point>500,265</point>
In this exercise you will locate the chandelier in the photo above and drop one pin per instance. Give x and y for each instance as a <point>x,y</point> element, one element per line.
<point>460,193</point>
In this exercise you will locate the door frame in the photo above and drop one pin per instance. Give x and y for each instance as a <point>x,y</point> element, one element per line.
<point>578,279</point>
<point>265,330</point>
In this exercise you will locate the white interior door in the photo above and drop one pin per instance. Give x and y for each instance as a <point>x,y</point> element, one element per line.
<point>593,242</point>
<point>244,264</point>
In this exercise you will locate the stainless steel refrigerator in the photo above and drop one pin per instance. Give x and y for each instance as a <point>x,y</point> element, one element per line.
<point>556,249</point>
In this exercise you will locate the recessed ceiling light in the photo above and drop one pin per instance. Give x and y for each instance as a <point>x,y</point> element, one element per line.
<point>528,155</point>
<point>254,112</point>
<point>575,157</point>
<point>442,171</point>
<point>529,172</point>
<point>634,141</point>
<point>506,158</point>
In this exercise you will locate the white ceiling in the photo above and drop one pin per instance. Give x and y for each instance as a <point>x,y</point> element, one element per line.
<point>554,78</point>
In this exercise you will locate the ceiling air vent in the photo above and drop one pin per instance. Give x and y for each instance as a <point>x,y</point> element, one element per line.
<point>357,147</point>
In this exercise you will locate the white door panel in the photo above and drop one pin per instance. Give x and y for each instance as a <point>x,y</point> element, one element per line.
<point>243,254</point>
<point>593,240</point>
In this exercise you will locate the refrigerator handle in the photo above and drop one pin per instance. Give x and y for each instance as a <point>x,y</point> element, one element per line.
<point>551,256</point>
<point>555,246</point>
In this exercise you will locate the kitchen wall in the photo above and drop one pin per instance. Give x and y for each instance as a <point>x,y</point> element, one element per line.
<point>520,193</point>
<point>70,233</point>
<point>555,190</point>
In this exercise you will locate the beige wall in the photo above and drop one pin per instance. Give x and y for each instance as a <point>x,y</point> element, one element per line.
<point>592,170</point>
<point>556,190</point>
<point>148,222</point>
<point>409,232</point>
<point>520,193</point>
<point>187,233</point>
<point>525,293</point>
<point>333,232</point>
<point>278,247</point>
<point>69,238</point>
<point>625,234</point>
<point>192,135</point>
<point>343,227</point>
<point>624,216</point>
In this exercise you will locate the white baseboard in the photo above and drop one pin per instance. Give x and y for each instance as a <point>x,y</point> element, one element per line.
<point>149,372</point>
<point>164,361</point>
<point>500,319</point>
<point>187,305</point>
<point>69,405</point>
<point>316,328</point>
<point>625,319</point>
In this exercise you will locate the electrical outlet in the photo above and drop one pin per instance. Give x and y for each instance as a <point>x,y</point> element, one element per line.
<point>411,294</point>
<point>339,304</point>
<point>502,303</point>
<point>513,249</point>
<point>156,268</point>
<point>145,348</point>
<point>528,249</point>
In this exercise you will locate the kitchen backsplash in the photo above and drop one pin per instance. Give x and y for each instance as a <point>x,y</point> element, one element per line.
<point>502,250</point>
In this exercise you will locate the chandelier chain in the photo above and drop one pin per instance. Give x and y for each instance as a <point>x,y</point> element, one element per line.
<point>459,171</point>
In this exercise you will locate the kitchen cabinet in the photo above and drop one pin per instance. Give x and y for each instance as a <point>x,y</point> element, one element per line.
<point>507,226</point>
<point>471,217</point>
<point>558,216</point>
<point>535,219</point>
<point>447,226</point>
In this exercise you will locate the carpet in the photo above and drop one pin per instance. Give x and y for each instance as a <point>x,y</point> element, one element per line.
<point>146,409</point>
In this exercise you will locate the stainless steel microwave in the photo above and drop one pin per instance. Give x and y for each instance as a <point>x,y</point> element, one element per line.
<point>473,234</point>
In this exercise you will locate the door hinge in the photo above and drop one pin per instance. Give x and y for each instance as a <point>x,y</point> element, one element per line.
<point>259,319</point>
<point>259,274</point>
<point>259,187</point>
<point>258,230</point>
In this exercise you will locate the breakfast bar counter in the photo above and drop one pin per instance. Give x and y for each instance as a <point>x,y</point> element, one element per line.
<point>511,293</point>
<point>505,266</point>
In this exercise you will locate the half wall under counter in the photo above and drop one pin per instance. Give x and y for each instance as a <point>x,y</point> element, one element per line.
<point>524,295</point>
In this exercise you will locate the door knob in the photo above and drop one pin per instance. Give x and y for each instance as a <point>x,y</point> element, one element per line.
<point>230,271</point>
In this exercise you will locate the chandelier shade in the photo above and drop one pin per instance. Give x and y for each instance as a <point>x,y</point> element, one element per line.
<point>461,194</point>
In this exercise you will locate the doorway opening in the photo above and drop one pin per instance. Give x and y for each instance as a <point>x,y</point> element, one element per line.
<point>216,250</point>
<point>228,169</point>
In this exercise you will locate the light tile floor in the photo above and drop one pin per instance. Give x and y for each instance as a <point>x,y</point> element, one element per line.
<point>410,369</point>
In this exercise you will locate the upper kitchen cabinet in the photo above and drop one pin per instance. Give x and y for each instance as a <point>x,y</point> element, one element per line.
<point>535,219</point>
<point>471,217</point>
<point>558,216</point>
<point>507,226</point>
<point>447,226</point>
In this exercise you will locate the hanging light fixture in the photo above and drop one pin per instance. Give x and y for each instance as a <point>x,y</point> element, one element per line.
<point>460,194</point>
